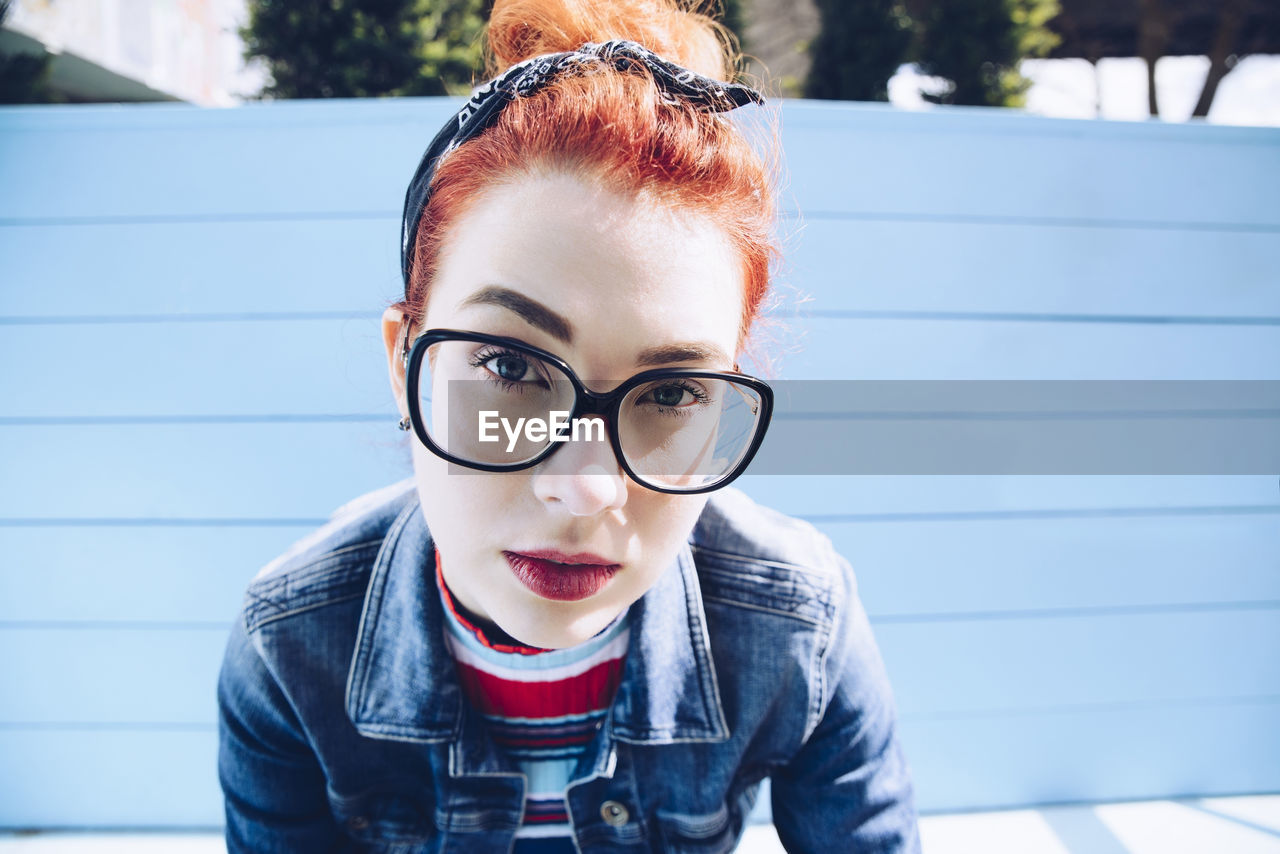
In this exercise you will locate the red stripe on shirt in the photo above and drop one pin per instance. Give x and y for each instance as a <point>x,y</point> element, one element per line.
<point>587,692</point>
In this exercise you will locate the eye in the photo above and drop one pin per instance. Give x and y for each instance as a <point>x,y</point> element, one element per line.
<point>674,395</point>
<point>510,367</point>
<point>668,395</point>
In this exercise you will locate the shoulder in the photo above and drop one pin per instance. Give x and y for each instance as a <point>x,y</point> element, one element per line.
<point>330,565</point>
<point>756,557</point>
<point>778,600</point>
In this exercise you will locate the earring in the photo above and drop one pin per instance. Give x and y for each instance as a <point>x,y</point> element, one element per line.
<point>404,423</point>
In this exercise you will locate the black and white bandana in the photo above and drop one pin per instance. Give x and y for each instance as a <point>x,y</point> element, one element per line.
<point>676,84</point>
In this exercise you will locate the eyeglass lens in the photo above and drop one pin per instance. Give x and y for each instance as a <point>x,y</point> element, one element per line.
<point>496,405</point>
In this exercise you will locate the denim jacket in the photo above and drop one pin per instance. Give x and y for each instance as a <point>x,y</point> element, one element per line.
<point>343,727</point>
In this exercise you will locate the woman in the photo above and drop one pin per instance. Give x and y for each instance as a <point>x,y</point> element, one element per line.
<point>564,634</point>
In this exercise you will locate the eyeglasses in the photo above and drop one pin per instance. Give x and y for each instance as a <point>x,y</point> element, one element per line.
<point>497,404</point>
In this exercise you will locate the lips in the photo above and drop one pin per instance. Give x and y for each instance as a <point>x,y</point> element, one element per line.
<point>559,576</point>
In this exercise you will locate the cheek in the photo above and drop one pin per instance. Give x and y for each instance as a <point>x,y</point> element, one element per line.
<point>458,502</point>
<point>668,519</point>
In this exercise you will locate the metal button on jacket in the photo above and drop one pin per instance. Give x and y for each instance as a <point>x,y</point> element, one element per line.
<point>614,813</point>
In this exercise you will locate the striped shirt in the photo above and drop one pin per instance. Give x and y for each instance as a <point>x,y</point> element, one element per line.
<point>542,708</point>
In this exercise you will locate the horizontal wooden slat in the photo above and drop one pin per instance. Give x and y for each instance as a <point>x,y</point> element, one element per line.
<point>985,165</point>
<point>964,497</point>
<point>827,348</point>
<point>118,675</point>
<point>338,367</point>
<point>968,666</point>
<point>196,471</point>
<point>110,777</point>
<point>944,668</point>
<point>1039,270</point>
<point>352,265</point>
<point>844,159</point>
<point>231,268</point>
<point>328,159</point>
<point>994,567</point>
<point>313,367</point>
<point>1148,750</point>
<point>130,575</point>
<point>133,574</point>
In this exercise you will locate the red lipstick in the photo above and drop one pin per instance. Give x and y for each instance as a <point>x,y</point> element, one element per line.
<point>563,577</point>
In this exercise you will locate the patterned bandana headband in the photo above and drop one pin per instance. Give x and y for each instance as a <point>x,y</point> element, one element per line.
<point>675,83</point>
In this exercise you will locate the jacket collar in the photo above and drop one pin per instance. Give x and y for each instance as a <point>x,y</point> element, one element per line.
<point>402,683</point>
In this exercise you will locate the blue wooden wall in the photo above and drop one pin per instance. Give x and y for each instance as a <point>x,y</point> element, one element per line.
<point>192,379</point>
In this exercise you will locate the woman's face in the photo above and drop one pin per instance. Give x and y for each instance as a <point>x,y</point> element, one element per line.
<point>613,286</point>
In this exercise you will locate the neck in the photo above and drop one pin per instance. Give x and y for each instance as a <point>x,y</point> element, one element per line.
<point>486,630</point>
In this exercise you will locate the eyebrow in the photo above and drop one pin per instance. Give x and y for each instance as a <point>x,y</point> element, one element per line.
<point>693,352</point>
<point>530,310</point>
<point>557,326</point>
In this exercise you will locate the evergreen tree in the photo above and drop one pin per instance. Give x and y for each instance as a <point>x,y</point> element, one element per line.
<point>729,13</point>
<point>977,45</point>
<point>860,46</point>
<point>366,48</point>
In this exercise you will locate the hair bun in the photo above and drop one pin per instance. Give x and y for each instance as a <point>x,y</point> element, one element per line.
<point>519,29</point>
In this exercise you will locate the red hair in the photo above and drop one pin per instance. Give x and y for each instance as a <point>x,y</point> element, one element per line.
<point>615,129</point>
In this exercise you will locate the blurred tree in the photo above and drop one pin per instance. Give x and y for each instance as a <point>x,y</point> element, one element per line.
<point>366,48</point>
<point>729,13</point>
<point>23,76</point>
<point>1224,31</point>
<point>977,44</point>
<point>859,47</point>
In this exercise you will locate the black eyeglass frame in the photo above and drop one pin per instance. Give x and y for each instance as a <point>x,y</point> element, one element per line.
<point>585,402</point>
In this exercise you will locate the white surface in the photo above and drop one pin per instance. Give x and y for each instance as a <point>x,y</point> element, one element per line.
<point>1011,832</point>
<point>1261,810</point>
<point>1242,825</point>
<point>1117,89</point>
<point>1163,827</point>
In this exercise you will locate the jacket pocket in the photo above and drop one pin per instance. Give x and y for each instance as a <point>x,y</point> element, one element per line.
<point>708,833</point>
<point>386,821</point>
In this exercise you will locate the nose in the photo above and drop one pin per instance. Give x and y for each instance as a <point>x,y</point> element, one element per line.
<point>582,477</point>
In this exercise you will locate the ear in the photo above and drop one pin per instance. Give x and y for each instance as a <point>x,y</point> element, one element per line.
<point>393,331</point>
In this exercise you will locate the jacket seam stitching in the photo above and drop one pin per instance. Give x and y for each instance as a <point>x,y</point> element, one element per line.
<point>791,614</point>
<point>302,598</point>
<point>820,700</point>
<point>318,569</point>
<point>373,607</point>
<point>734,579</point>
<point>781,564</point>
<point>274,618</point>
<point>260,596</point>
<point>701,643</point>
<point>277,617</point>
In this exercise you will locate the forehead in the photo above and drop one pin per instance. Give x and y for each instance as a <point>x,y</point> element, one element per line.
<point>626,273</point>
